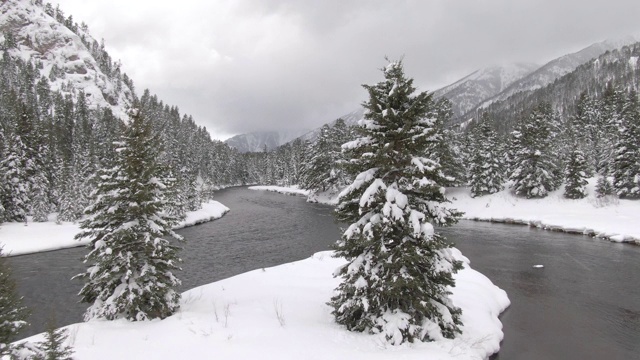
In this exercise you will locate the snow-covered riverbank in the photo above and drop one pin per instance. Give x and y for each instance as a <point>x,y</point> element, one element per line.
<point>281,313</point>
<point>18,239</point>
<point>609,218</point>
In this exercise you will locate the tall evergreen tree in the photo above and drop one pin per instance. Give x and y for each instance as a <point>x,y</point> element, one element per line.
<point>13,315</point>
<point>626,164</point>
<point>535,170</point>
<point>486,168</point>
<point>398,270</point>
<point>131,262</point>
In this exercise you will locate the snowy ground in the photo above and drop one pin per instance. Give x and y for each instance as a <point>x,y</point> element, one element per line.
<point>281,313</point>
<point>291,190</point>
<point>328,197</point>
<point>18,239</point>
<point>611,218</point>
<point>608,218</point>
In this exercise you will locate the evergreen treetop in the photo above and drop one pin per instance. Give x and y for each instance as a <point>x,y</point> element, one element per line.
<point>398,268</point>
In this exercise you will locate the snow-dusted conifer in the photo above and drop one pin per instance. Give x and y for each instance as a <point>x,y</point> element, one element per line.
<point>604,187</point>
<point>535,170</point>
<point>626,164</point>
<point>577,169</point>
<point>395,282</point>
<point>12,314</point>
<point>53,347</point>
<point>131,263</point>
<point>14,169</point>
<point>447,149</point>
<point>576,176</point>
<point>487,167</point>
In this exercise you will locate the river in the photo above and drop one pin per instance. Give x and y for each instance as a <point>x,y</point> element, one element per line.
<point>584,303</point>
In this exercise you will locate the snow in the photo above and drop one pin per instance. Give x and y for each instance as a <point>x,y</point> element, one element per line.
<point>281,313</point>
<point>288,190</point>
<point>18,239</point>
<point>608,218</point>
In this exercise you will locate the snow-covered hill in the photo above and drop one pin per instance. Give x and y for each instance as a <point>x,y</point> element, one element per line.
<point>59,54</point>
<point>256,141</point>
<point>557,68</point>
<point>482,84</point>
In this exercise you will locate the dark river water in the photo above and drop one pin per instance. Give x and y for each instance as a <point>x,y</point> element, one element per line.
<point>584,303</point>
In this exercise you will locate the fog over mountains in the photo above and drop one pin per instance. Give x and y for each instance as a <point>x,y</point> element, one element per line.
<point>468,95</point>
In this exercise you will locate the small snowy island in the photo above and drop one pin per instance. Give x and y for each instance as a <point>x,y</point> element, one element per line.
<point>282,312</point>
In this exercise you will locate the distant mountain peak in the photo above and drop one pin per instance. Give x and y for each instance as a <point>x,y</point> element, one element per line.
<point>481,84</point>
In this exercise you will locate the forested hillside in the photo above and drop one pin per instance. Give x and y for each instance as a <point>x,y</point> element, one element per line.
<point>63,103</point>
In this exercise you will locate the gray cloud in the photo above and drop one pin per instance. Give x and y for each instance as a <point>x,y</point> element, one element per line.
<point>240,66</point>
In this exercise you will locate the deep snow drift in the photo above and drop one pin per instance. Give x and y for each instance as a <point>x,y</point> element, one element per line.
<point>18,239</point>
<point>281,313</point>
<point>608,218</point>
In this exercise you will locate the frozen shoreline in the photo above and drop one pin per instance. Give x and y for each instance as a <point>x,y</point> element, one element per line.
<point>282,311</point>
<point>610,218</point>
<point>18,239</point>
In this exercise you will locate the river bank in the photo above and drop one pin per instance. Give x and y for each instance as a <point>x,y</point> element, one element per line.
<point>20,239</point>
<point>281,311</point>
<point>607,218</point>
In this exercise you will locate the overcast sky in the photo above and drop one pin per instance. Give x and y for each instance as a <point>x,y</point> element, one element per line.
<point>252,65</point>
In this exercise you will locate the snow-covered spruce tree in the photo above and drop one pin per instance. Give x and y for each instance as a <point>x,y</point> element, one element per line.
<point>131,263</point>
<point>604,187</point>
<point>12,314</point>
<point>626,163</point>
<point>395,282</point>
<point>486,170</point>
<point>576,176</point>
<point>53,347</point>
<point>534,167</point>
<point>577,169</point>
<point>317,169</point>
<point>447,150</point>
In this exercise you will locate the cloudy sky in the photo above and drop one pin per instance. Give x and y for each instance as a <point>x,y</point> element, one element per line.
<point>252,65</point>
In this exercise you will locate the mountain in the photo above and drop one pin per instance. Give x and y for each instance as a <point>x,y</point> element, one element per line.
<point>256,141</point>
<point>482,84</point>
<point>555,69</point>
<point>464,94</point>
<point>480,89</point>
<point>65,53</point>
<point>620,67</point>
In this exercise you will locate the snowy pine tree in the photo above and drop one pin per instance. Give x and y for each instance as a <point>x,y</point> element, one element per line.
<point>535,170</point>
<point>576,176</point>
<point>53,347</point>
<point>395,282</point>
<point>604,187</point>
<point>626,164</point>
<point>486,168</point>
<point>12,314</point>
<point>577,169</point>
<point>131,264</point>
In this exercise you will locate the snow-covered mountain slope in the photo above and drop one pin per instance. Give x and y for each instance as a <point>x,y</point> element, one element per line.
<point>36,36</point>
<point>256,141</point>
<point>464,94</point>
<point>557,68</point>
<point>350,119</point>
<point>482,84</point>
